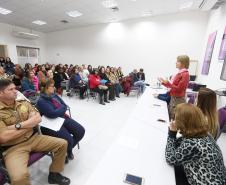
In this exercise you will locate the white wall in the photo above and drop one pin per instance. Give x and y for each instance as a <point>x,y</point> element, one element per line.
<point>151,43</point>
<point>7,39</point>
<point>217,22</point>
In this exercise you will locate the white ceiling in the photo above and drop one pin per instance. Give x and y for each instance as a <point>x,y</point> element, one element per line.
<point>53,11</point>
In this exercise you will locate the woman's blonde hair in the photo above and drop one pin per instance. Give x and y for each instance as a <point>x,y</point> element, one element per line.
<point>184,60</point>
<point>190,121</point>
<point>207,102</point>
<point>46,84</point>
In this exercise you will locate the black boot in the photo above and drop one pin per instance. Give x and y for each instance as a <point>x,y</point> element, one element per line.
<point>105,98</point>
<point>70,156</point>
<point>57,178</point>
<point>66,160</point>
<point>101,100</point>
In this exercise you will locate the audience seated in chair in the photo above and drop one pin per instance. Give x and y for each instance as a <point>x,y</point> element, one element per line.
<point>27,83</point>
<point>18,138</point>
<point>58,77</point>
<point>138,82</point>
<point>96,86</point>
<point>108,83</point>
<point>115,78</point>
<point>52,106</point>
<point>126,84</point>
<point>77,83</point>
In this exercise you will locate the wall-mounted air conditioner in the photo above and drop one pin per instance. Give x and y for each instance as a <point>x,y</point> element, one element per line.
<point>25,35</point>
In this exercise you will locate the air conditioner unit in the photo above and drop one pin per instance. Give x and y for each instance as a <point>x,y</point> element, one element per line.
<point>25,35</point>
<point>210,4</point>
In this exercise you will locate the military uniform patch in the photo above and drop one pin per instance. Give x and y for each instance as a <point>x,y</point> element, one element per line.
<point>23,109</point>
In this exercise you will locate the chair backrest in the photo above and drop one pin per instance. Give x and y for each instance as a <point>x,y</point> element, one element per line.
<point>4,176</point>
<point>222,117</point>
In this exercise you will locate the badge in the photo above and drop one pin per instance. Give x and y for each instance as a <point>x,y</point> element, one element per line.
<point>23,109</point>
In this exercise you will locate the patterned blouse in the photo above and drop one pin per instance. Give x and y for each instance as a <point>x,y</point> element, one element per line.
<point>201,158</point>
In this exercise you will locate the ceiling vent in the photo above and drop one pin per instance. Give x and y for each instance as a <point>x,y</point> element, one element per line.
<point>25,35</point>
<point>64,21</point>
<point>115,9</point>
<point>211,4</point>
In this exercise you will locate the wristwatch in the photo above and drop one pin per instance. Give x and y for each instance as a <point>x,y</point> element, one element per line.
<point>18,126</point>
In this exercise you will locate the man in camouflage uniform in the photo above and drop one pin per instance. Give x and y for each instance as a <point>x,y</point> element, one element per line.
<point>18,138</point>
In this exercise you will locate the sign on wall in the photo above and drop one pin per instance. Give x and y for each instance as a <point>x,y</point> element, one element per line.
<point>208,54</point>
<point>222,53</point>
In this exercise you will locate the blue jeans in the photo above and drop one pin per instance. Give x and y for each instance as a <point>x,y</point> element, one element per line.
<point>165,97</point>
<point>141,85</point>
<point>71,131</point>
<point>118,89</point>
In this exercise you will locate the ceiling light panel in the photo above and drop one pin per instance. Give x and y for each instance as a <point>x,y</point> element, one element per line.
<point>4,11</point>
<point>186,4</point>
<point>110,4</point>
<point>38,22</point>
<point>74,13</point>
<point>147,13</point>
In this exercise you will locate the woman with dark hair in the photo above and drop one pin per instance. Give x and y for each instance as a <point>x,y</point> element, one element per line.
<point>58,78</point>
<point>77,83</point>
<point>196,151</point>
<point>27,67</point>
<point>27,82</point>
<point>108,83</point>
<point>18,76</point>
<point>41,74</point>
<point>2,62</point>
<point>141,75</point>
<point>90,69</point>
<point>207,102</point>
<point>96,86</point>
<point>52,106</point>
<point>9,66</point>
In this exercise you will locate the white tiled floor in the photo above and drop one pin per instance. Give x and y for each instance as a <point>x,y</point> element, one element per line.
<point>102,124</point>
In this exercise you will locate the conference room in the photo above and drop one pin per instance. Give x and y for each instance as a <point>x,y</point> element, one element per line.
<point>96,92</point>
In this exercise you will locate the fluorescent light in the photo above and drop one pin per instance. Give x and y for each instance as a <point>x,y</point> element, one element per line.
<point>39,22</point>
<point>109,4</point>
<point>114,19</point>
<point>147,13</point>
<point>74,13</point>
<point>186,5</point>
<point>4,11</point>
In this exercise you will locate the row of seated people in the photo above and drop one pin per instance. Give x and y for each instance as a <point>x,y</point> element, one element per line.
<point>18,138</point>
<point>106,83</point>
<point>25,80</point>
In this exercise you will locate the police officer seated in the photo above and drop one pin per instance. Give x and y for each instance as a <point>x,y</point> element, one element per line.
<point>18,138</point>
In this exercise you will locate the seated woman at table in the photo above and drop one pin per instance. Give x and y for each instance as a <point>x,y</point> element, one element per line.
<point>52,106</point>
<point>196,150</point>
<point>207,102</point>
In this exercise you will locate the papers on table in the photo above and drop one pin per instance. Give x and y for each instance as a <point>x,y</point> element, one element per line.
<point>53,124</point>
